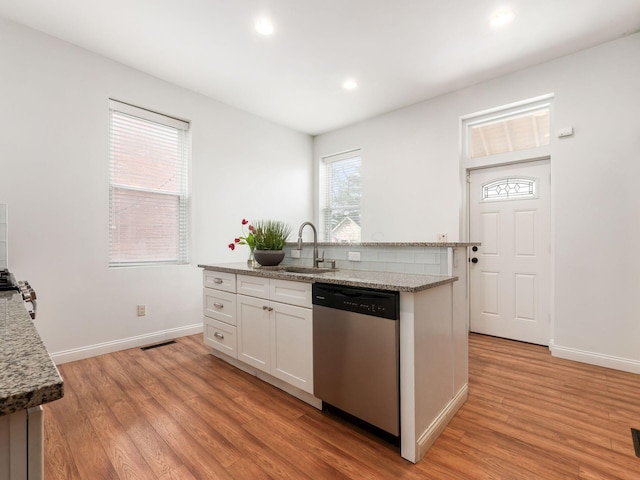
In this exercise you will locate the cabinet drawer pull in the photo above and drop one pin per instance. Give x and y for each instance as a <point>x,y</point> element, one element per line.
<point>218,305</point>
<point>268,309</point>
<point>217,280</point>
<point>219,335</point>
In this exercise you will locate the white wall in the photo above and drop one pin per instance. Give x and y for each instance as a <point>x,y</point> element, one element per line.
<point>412,187</point>
<point>54,177</point>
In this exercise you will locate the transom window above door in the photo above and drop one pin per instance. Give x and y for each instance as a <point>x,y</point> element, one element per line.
<point>513,129</point>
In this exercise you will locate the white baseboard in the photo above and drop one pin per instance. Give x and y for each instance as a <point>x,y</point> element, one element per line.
<point>594,358</point>
<point>431,434</point>
<point>74,354</point>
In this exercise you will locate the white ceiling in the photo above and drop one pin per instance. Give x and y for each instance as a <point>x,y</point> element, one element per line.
<point>400,51</point>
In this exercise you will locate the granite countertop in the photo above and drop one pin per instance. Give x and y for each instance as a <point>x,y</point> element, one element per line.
<point>28,376</point>
<point>401,282</point>
<point>391,244</point>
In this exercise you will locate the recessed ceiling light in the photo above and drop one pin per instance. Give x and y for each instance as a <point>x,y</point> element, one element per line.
<point>264,26</point>
<point>502,17</point>
<point>349,84</point>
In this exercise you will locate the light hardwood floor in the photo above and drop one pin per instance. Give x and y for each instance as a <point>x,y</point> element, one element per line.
<point>176,412</point>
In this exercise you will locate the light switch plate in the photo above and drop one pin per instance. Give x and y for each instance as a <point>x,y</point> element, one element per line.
<point>353,256</point>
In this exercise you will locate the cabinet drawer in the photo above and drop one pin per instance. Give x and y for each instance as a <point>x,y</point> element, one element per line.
<point>253,286</point>
<point>221,336</point>
<point>293,293</point>
<point>220,305</point>
<point>220,281</point>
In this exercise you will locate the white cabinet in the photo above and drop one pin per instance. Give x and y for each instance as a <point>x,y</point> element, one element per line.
<point>22,445</point>
<point>274,336</point>
<point>264,323</point>
<point>292,345</point>
<point>283,291</point>
<point>220,281</point>
<point>219,307</point>
<point>254,332</point>
<point>221,336</point>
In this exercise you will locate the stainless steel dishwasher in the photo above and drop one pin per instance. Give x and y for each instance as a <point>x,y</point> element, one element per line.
<point>356,363</point>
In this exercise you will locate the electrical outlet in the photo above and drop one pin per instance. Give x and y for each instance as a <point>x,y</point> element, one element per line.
<point>353,256</point>
<point>295,253</point>
<point>441,237</point>
<point>142,310</point>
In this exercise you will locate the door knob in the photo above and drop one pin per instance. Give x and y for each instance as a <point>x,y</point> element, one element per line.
<point>474,260</point>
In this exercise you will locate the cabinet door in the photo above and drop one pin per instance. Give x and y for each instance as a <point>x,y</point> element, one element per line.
<point>254,332</point>
<point>13,446</point>
<point>292,345</point>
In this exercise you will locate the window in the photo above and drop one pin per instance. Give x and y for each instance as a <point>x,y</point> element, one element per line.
<point>340,195</point>
<point>148,203</point>
<point>509,132</point>
<point>510,189</point>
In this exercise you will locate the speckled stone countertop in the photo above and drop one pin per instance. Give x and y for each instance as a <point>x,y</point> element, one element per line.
<point>391,244</point>
<point>28,376</point>
<point>400,282</point>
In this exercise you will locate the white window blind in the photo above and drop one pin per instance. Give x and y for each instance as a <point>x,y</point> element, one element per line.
<point>340,196</point>
<point>148,202</point>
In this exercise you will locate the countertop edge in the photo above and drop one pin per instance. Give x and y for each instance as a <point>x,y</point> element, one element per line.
<point>29,376</point>
<point>391,244</point>
<point>358,278</point>
<point>32,398</point>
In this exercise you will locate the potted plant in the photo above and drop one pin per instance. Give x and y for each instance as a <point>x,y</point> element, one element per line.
<point>269,237</point>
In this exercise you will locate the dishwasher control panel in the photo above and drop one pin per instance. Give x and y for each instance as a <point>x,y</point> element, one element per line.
<point>377,303</point>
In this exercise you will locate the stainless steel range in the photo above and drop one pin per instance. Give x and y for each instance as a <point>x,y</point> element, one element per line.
<point>8,282</point>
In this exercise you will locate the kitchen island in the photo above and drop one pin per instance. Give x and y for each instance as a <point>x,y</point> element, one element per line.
<point>433,339</point>
<point>28,379</point>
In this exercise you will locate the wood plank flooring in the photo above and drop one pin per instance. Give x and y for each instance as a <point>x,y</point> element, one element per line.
<point>178,413</point>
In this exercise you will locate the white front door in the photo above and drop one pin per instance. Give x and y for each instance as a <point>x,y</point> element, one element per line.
<point>510,274</point>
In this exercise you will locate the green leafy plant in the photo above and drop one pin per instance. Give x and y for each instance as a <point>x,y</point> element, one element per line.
<point>270,234</point>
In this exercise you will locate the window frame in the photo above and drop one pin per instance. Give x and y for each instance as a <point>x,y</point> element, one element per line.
<point>503,112</point>
<point>324,196</point>
<point>181,195</point>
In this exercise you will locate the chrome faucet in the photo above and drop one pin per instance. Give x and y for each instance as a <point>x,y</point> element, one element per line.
<point>316,259</point>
